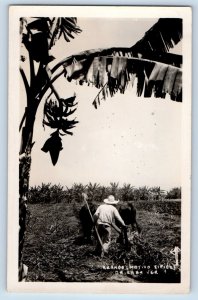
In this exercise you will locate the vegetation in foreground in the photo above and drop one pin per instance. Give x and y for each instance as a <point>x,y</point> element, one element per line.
<point>54,249</point>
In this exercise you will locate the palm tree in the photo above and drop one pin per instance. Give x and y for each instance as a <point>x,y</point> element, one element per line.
<point>93,192</point>
<point>114,188</point>
<point>144,193</point>
<point>110,70</point>
<point>127,192</point>
<point>77,190</point>
<point>156,193</point>
<point>136,194</point>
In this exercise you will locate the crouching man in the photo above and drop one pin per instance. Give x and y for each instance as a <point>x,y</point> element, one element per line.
<point>104,217</point>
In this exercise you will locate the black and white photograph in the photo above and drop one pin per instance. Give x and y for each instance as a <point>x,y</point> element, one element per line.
<point>99,156</point>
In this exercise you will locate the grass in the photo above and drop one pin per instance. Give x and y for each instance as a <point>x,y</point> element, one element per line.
<point>52,250</point>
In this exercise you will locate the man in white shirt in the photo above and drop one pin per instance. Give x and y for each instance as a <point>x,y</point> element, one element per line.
<point>105,215</point>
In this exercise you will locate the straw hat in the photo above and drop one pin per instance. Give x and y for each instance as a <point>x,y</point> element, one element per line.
<point>111,200</point>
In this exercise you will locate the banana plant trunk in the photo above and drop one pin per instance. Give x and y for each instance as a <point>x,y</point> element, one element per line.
<point>24,175</point>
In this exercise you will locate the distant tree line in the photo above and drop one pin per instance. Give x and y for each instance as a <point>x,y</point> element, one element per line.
<point>48,193</point>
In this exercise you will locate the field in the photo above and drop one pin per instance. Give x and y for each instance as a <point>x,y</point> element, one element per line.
<point>54,250</point>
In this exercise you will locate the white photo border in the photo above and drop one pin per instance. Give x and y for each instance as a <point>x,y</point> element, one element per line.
<point>13,145</point>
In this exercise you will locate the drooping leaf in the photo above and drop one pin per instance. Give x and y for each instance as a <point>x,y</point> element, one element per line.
<point>63,26</point>
<point>162,36</point>
<point>81,67</point>
<point>151,77</point>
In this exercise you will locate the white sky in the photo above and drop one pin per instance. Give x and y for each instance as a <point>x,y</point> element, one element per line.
<point>127,139</point>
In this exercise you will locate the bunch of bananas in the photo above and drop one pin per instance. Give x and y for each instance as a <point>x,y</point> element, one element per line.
<point>56,113</point>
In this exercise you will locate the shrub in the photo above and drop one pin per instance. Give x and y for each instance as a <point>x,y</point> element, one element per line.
<point>46,193</point>
<point>174,193</point>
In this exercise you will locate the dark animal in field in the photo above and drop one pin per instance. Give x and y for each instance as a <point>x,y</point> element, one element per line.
<point>86,221</point>
<point>127,212</point>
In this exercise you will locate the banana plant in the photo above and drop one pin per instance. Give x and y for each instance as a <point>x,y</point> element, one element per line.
<point>38,36</point>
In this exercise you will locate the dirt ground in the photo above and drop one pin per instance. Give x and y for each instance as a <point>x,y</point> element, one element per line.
<point>54,250</point>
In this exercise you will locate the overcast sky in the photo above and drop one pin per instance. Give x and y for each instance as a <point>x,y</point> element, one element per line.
<point>127,139</point>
